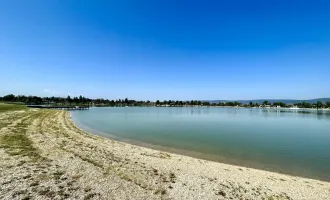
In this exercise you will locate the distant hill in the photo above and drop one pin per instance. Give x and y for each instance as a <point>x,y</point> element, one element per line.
<point>286,101</point>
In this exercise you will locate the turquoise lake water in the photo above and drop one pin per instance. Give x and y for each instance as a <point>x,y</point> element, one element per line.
<point>295,142</point>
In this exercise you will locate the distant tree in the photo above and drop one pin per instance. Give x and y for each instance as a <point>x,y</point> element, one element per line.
<point>20,98</point>
<point>75,100</point>
<point>126,101</point>
<point>305,105</point>
<point>265,103</point>
<point>223,103</point>
<point>319,104</point>
<point>33,100</point>
<point>157,102</point>
<point>68,99</point>
<point>206,103</point>
<point>251,104</point>
<point>327,104</point>
<point>9,97</point>
<point>37,100</point>
<point>281,104</point>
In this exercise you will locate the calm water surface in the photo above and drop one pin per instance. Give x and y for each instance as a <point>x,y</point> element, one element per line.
<point>287,141</point>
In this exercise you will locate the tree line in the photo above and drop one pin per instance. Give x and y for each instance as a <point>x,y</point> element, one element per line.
<point>35,100</point>
<point>81,100</point>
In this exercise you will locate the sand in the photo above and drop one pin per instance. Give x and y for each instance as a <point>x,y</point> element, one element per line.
<point>57,160</point>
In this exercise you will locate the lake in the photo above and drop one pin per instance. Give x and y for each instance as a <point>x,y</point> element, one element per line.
<point>295,142</point>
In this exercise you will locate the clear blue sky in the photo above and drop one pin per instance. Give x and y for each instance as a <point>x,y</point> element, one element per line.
<point>166,49</point>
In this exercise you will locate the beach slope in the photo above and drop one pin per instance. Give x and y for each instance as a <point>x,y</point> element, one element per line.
<point>43,155</point>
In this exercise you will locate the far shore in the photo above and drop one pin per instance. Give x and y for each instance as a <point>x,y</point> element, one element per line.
<point>44,155</point>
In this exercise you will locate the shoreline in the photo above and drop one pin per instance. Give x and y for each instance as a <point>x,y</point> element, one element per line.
<point>201,155</point>
<point>68,162</point>
<point>233,107</point>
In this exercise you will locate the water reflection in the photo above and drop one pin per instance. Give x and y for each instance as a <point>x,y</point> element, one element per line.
<point>320,114</point>
<point>265,113</point>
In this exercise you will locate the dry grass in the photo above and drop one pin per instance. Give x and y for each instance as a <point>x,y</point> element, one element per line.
<point>19,144</point>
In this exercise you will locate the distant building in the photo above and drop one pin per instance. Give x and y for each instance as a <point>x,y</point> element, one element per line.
<point>294,107</point>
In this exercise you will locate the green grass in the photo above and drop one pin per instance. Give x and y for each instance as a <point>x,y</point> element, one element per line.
<point>19,144</point>
<point>11,107</point>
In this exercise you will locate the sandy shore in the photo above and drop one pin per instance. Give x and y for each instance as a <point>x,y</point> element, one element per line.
<point>43,155</point>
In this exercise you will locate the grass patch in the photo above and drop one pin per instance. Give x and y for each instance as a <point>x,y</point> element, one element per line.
<point>58,174</point>
<point>93,162</point>
<point>35,183</point>
<point>47,192</point>
<point>125,176</point>
<point>172,175</point>
<point>76,177</point>
<point>11,107</point>
<point>19,144</point>
<point>161,191</point>
<point>90,196</point>
<point>26,198</point>
<point>222,193</point>
<point>88,189</point>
